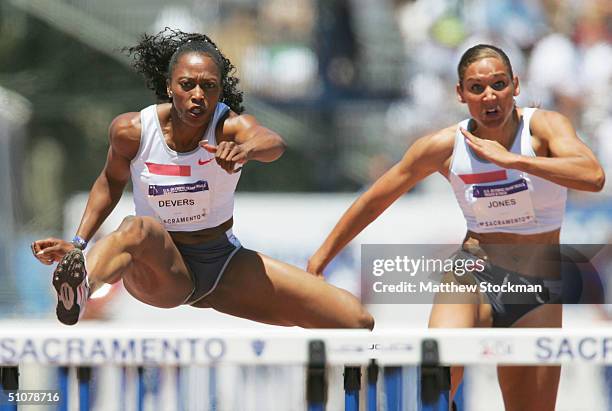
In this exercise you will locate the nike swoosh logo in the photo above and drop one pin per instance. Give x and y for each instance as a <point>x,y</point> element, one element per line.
<point>202,162</point>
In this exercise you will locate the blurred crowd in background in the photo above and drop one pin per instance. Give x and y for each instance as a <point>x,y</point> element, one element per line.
<point>350,84</point>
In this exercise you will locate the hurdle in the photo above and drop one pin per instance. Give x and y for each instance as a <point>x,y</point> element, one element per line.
<point>89,346</point>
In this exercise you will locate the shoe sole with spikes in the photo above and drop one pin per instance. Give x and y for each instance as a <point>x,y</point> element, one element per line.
<point>68,278</point>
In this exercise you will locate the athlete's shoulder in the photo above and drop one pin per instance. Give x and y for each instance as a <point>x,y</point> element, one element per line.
<point>439,142</point>
<point>548,116</point>
<point>431,152</point>
<point>126,125</point>
<point>233,125</point>
<point>233,122</point>
<point>548,124</point>
<point>124,133</point>
<point>444,137</point>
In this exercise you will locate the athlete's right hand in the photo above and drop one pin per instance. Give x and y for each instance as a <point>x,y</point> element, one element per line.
<point>50,250</point>
<point>229,155</point>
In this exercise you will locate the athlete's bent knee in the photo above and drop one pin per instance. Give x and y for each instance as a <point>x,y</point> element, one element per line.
<point>132,231</point>
<point>366,320</point>
<point>358,316</point>
<point>361,318</point>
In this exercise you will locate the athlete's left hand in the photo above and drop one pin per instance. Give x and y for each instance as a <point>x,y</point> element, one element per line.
<point>315,266</point>
<point>50,250</point>
<point>489,150</point>
<point>229,155</point>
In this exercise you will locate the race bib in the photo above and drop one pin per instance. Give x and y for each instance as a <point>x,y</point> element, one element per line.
<point>503,205</point>
<point>180,203</point>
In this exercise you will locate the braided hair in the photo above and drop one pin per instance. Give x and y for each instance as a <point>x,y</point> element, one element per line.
<point>156,55</point>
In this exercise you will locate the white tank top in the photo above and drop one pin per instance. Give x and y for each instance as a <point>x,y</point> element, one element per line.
<point>494,199</point>
<point>184,191</point>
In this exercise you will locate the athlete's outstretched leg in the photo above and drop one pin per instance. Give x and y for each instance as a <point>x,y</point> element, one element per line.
<point>262,289</point>
<point>535,387</point>
<point>449,315</point>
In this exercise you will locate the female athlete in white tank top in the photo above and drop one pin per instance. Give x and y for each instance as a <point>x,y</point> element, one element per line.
<point>509,175</point>
<point>184,157</point>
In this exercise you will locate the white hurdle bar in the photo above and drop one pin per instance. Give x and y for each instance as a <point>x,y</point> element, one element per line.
<point>93,345</point>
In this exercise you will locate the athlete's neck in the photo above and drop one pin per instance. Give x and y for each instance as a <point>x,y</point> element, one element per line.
<point>503,134</point>
<point>180,136</point>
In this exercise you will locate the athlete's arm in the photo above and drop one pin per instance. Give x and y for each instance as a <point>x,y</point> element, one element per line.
<point>571,163</point>
<point>244,139</point>
<point>124,135</point>
<point>427,155</point>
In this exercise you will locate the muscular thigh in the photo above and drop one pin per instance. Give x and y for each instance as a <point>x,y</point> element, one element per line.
<point>454,315</point>
<point>529,388</point>
<point>262,289</point>
<point>533,388</point>
<point>459,310</point>
<point>240,290</point>
<point>157,274</point>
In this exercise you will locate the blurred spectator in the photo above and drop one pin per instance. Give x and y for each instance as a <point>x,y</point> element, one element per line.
<point>521,22</point>
<point>601,137</point>
<point>592,38</point>
<point>337,58</point>
<point>553,75</point>
<point>575,75</point>
<point>178,17</point>
<point>282,63</point>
